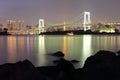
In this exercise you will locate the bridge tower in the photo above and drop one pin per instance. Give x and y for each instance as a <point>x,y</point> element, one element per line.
<point>87,21</point>
<point>41,25</point>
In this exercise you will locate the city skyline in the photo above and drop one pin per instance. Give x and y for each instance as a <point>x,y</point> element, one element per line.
<point>56,11</point>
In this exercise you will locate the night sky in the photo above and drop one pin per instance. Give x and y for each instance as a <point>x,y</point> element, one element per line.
<point>56,11</point>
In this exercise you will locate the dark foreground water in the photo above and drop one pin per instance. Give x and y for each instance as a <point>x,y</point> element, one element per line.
<point>36,48</point>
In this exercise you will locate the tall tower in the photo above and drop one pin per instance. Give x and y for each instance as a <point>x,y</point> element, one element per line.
<point>41,25</point>
<point>87,21</point>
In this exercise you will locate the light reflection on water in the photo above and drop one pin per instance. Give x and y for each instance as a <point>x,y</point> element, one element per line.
<point>41,50</point>
<point>11,48</point>
<point>35,48</point>
<point>86,48</point>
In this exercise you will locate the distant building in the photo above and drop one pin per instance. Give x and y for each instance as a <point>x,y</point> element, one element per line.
<point>107,29</point>
<point>21,24</point>
<point>11,24</point>
<point>28,27</point>
<point>118,28</point>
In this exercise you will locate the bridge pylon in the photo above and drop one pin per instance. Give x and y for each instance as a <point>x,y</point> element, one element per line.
<point>87,21</point>
<point>41,25</point>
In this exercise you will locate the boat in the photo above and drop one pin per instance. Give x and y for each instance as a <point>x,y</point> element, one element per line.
<point>70,34</point>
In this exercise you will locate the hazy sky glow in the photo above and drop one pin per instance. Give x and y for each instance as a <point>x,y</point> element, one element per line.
<point>55,11</point>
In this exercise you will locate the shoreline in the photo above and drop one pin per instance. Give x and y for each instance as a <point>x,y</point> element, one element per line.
<point>77,33</point>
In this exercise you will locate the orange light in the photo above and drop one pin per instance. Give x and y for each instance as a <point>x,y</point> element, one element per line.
<point>64,45</point>
<point>64,27</point>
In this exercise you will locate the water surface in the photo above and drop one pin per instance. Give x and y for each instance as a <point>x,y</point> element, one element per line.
<point>35,48</point>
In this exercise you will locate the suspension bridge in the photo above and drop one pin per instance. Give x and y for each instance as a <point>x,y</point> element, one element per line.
<point>81,22</point>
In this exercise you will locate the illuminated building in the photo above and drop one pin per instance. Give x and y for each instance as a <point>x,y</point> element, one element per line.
<point>107,29</point>
<point>21,24</point>
<point>11,24</point>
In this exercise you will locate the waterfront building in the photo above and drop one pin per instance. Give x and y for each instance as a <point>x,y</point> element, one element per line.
<point>107,29</point>
<point>11,24</point>
<point>21,24</point>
